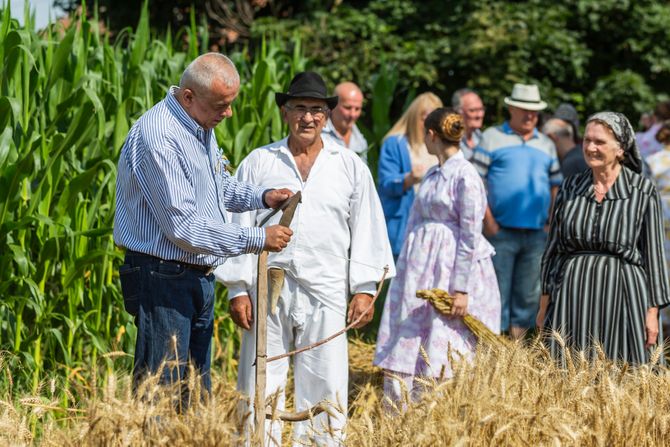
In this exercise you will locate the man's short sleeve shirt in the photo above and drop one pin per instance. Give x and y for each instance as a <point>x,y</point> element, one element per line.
<point>519,175</point>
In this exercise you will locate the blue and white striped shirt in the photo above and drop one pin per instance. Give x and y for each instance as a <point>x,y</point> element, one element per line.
<point>172,188</point>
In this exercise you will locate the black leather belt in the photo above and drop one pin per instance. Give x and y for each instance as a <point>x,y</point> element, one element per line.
<point>592,252</point>
<point>206,269</point>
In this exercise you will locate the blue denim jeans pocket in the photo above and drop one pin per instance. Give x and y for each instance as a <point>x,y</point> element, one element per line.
<point>168,270</point>
<point>131,287</point>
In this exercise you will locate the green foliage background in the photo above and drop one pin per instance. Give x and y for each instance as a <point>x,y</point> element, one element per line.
<point>596,54</point>
<point>67,100</point>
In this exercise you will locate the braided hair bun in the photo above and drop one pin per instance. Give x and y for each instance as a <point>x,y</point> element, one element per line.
<point>447,124</point>
<point>452,127</point>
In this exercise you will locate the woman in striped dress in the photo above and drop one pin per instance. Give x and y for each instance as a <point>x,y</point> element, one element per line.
<point>603,270</point>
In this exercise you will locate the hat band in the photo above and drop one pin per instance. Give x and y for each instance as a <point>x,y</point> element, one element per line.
<point>537,101</point>
<point>307,94</point>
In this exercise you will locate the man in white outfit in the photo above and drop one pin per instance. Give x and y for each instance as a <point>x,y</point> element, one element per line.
<point>338,250</point>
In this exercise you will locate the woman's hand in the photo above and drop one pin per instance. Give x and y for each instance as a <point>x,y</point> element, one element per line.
<point>651,326</point>
<point>414,176</point>
<point>491,228</point>
<point>542,311</point>
<point>460,306</point>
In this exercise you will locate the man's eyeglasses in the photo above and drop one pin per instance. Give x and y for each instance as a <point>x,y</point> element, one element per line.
<point>303,110</point>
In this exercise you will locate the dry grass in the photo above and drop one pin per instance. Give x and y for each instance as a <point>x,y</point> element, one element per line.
<point>510,395</point>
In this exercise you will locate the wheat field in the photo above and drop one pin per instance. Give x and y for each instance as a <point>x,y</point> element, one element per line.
<point>509,395</point>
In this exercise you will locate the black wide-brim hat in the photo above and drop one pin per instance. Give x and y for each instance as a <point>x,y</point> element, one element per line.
<point>307,84</point>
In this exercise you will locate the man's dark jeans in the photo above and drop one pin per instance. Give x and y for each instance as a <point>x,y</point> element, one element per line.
<point>517,264</point>
<point>173,306</point>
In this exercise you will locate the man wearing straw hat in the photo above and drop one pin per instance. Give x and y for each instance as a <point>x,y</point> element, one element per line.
<point>521,170</point>
<point>338,250</point>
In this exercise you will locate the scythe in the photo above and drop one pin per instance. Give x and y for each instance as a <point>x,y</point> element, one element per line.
<point>261,412</point>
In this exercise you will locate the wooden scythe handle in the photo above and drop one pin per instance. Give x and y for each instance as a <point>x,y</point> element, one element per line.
<point>288,207</point>
<point>261,346</point>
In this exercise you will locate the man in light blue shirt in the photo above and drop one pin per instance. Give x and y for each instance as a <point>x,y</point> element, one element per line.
<point>172,190</point>
<point>341,126</point>
<point>522,174</point>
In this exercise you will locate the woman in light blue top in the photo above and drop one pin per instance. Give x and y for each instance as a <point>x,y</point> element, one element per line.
<point>403,161</point>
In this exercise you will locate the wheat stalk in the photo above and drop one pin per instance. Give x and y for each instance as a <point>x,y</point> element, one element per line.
<point>443,303</point>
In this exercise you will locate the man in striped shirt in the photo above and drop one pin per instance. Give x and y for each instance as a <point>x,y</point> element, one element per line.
<point>172,192</point>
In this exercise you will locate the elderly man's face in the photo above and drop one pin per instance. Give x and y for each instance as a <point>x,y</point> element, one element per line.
<point>522,121</point>
<point>472,110</point>
<point>348,110</point>
<point>209,107</point>
<point>305,118</point>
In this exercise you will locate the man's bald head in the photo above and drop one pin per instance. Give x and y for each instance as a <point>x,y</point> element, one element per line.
<point>205,69</point>
<point>561,134</point>
<point>348,109</point>
<point>207,89</point>
<point>558,128</point>
<point>348,89</point>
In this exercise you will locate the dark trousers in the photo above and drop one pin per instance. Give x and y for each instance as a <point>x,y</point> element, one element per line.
<point>173,306</point>
<point>517,263</point>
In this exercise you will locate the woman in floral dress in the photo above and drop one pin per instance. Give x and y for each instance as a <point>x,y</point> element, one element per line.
<point>444,248</point>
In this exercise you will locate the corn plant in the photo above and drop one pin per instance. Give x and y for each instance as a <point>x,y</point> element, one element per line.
<point>383,89</point>
<point>67,99</point>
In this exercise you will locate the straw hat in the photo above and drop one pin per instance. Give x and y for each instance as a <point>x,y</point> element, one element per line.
<point>527,97</point>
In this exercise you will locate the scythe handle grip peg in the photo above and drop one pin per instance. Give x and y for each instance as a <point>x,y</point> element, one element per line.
<point>296,417</point>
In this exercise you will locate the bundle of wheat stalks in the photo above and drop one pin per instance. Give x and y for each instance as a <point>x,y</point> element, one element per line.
<point>443,302</point>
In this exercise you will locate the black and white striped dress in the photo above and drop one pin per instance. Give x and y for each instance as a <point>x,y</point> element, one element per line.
<point>603,266</point>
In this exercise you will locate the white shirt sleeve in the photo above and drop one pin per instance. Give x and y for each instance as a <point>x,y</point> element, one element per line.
<point>370,246</point>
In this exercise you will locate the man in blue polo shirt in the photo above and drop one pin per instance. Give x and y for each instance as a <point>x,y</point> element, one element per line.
<point>522,174</point>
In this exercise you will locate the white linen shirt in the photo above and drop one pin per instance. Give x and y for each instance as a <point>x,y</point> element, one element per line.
<point>340,217</point>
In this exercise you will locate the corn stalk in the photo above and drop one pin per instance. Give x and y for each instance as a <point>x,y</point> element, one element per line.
<point>67,99</point>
